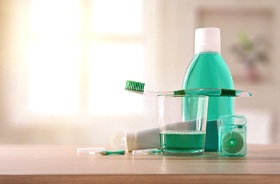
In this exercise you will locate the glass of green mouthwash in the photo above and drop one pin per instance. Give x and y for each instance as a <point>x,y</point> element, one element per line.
<point>182,129</point>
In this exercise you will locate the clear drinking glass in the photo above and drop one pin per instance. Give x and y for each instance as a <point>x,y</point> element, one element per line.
<point>182,128</point>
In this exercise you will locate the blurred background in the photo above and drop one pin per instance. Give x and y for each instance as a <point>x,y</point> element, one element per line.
<point>64,64</point>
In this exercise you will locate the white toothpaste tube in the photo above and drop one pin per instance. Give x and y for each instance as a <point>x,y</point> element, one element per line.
<point>136,140</point>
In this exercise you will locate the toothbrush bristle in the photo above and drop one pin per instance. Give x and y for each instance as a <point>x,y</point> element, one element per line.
<point>228,92</point>
<point>180,92</point>
<point>133,86</point>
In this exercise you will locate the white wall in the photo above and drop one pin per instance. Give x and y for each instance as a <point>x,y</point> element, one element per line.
<point>171,36</point>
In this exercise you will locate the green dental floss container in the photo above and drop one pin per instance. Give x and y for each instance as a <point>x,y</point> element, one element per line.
<point>232,136</point>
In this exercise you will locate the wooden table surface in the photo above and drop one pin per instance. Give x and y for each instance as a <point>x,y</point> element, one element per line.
<point>62,164</point>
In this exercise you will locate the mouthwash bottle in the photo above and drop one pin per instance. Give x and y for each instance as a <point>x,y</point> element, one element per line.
<point>209,70</point>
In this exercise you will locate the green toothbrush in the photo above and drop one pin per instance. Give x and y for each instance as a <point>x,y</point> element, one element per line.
<point>138,87</point>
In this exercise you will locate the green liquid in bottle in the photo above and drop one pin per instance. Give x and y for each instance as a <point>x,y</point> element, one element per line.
<point>209,70</point>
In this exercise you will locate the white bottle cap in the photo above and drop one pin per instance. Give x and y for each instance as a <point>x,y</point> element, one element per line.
<point>207,40</point>
<point>118,140</point>
<point>131,141</point>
